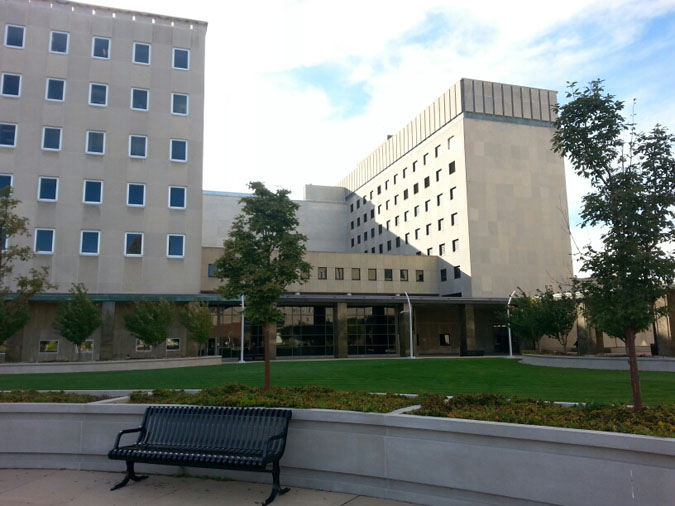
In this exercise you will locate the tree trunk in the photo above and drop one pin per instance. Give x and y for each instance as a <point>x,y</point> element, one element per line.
<point>266,344</point>
<point>634,373</point>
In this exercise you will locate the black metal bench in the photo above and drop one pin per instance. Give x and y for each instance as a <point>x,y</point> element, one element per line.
<point>250,439</point>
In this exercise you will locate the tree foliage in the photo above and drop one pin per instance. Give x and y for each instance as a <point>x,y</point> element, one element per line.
<point>548,313</point>
<point>197,320</point>
<point>15,292</point>
<point>263,255</point>
<point>633,200</point>
<point>79,317</point>
<point>150,321</point>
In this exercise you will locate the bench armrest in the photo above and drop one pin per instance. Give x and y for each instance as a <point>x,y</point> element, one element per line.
<point>269,442</point>
<point>127,431</point>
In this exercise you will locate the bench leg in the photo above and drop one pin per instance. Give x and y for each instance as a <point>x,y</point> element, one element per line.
<point>276,487</point>
<point>131,475</point>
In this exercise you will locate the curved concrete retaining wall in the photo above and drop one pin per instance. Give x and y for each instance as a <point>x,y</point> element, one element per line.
<point>408,458</point>
<point>108,365</point>
<point>662,364</point>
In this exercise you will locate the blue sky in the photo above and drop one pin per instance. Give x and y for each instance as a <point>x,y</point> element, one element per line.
<point>300,91</point>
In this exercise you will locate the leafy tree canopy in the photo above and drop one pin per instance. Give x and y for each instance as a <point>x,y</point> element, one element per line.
<point>150,321</point>
<point>79,317</point>
<point>197,319</point>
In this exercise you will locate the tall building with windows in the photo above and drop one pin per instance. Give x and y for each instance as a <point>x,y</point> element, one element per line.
<point>101,131</point>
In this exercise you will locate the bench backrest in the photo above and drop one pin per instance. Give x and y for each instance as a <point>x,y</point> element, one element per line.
<point>215,427</point>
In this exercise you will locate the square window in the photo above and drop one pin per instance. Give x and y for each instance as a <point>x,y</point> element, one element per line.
<point>211,271</point>
<point>451,168</point>
<point>352,242</point>
<point>430,251</point>
<point>416,211</point>
<point>395,199</point>
<point>322,272</point>
<point>419,276</point>
<point>56,90</point>
<point>181,58</point>
<point>398,242</point>
<point>424,158</point>
<point>444,274</point>
<point>441,224</point>
<point>356,274</point>
<point>95,143</point>
<point>5,181</point>
<point>453,219</point>
<point>89,242</point>
<point>133,244</point>
<point>142,345</point>
<point>180,104</point>
<point>98,94</point>
<point>172,344</point>
<point>175,246</point>
<point>426,205</point>
<point>451,142</point>
<point>51,139</point>
<point>417,233</point>
<point>437,150</point>
<point>404,172</point>
<point>140,99</point>
<point>395,178</point>
<point>372,274</point>
<point>426,182</point>
<point>404,274</point>
<point>58,42</point>
<point>439,197</point>
<point>44,241</point>
<point>407,237</point>
<point>388,275</point>
<point>428,228</point>
<point>136,194</point>
<point>416,188</point>
<point>49,346</point>
<point>379,229</point>
<point>11,85</point>
<point>138,146</point>
<point>92,192</point>
<point>372,213</point>
<point>389,245</point>
<point>179,149</point>
<point>438,175</point>
<point>381,248</point>
<point>452,192</point>
<point>455,245</point>
<point>441,249</point>
<point>339,273</point>
<point>14,36</point>
<point>414,166</point>
<point>405,194</point>
<point>141,53</point>
<point>48,189</point>
<point>177,197</point>
<point>457,272</point>
<point>100,48</point>
<point>7,135</point>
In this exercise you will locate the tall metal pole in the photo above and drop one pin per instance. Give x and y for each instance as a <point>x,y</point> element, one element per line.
<point>241,357</point>
<point>508,322</point>
<point>410,317</point>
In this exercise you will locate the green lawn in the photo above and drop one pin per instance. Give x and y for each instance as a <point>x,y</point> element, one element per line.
<point>494,375</point>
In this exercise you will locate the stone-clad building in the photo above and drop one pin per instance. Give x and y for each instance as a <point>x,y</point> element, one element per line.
<point>101,131</point>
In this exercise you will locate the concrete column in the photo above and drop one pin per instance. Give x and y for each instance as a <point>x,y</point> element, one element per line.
<point>340,337</point>
<point>107,330</point>
<point>467,329</point>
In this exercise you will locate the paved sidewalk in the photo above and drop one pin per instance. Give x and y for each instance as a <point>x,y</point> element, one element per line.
<point>48,487</point>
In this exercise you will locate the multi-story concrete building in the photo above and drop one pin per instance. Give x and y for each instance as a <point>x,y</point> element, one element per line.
<point>101,129</point>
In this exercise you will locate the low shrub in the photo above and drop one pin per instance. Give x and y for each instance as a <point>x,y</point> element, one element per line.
<point>655,421</point>
<point>35,396</point>
<point>305,397</point>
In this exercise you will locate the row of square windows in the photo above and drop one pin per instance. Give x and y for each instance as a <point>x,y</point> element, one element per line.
<point>94,142</point>
<point>90,243</point>
<point>59,43</point>
<point>430,251</point>
<point>55,91</point>
<point>427,181</point>
<point>406,214</point>
<point>52,345</point>
<point>406,194</point>
<point>92,192</point>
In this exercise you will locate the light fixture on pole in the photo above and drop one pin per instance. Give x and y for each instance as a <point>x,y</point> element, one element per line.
<point>410,313</point>
<point>241,351</point>
<point>508,322</point>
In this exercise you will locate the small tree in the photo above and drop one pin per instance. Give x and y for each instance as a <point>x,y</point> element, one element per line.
<point>263,255</point>
<point>558,312</point>
<point>524,318</point>
<point>150,321</point>
<point>197,320</point>
<point>78,317</point>
<point>633,198</point>
<point>16,292</point>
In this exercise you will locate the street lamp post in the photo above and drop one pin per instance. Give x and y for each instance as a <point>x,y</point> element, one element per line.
<point>410,317</point>
<point>508,322</point>
<point>241,356</point>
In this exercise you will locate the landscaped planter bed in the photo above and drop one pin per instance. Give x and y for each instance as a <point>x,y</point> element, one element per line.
<point>425,460</point>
